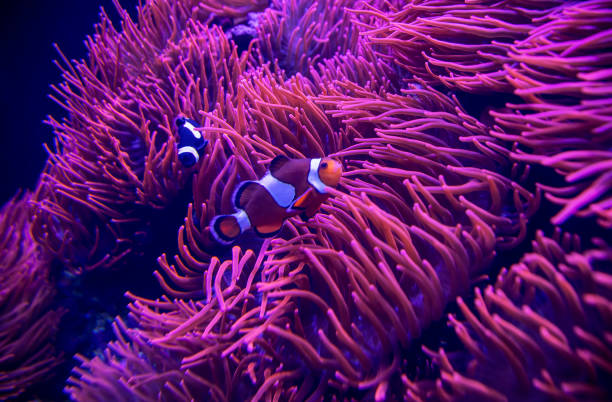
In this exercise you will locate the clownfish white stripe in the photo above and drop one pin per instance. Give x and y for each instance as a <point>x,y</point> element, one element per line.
<point>243,220</point>
<point>190,150</point>
<point>192,129</point>
<point>283,193</point>
<point>313,176</point>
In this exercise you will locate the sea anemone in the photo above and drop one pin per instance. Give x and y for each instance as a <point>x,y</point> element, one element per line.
<point>570,134</point>
<point>116,153</point>
<point>319,301</point>
<point>542,331</point>
<point>545,53</point>
<point>298,34</point>
<point>27,323</point>
<point>434,189</point>
<point>463,45</point>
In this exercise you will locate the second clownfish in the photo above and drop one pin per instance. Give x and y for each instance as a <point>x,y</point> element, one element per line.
<point>291,187</point>
<point>191,143</point>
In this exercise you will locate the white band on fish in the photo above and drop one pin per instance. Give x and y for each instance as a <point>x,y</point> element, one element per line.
<point>193,130</point>
<point>313,176</point>
<point>283,193</point>
<point>243,220</point>
<point>191,150</point>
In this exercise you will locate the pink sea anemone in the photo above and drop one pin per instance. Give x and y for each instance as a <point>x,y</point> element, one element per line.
<point>569,134</point>
<point>543,52</point>
<point>462,45</point>
<point>297,34</point>
<point>318,302</point>
<point>431,194</point>
<point>27,324</point>
<point>542,331</point>
<point>115,152</point>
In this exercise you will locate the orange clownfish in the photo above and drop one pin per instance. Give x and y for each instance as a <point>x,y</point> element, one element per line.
<point>291,187</point>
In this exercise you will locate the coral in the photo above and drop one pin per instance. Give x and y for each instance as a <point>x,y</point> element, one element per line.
<point>541,332</point>
<point>27,324</point>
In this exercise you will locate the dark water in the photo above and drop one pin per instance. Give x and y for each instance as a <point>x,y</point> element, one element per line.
<point>28,30</point>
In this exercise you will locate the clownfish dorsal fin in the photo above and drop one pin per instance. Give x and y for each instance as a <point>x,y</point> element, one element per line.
<point>269,230</point>
<point>278,163</point>
<point>245,191</point>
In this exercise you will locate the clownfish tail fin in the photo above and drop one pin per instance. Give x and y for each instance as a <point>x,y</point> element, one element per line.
<point>225,229</point>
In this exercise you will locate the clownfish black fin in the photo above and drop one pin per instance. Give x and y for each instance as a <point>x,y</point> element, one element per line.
<point>278,163</point>
<point>225,228</point>
<point>269,230</point>
<point>243,193</point>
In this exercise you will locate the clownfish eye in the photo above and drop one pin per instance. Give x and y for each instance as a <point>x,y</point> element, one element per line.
<point>324,165</point>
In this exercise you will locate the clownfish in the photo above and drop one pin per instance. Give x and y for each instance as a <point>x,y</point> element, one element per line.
<point>290,187</point>
<point>191,142</point>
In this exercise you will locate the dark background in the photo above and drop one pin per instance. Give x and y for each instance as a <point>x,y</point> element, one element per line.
<point>28,29</point>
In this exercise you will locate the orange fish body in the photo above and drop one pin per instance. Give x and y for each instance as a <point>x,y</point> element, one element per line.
<point>291,187</point>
